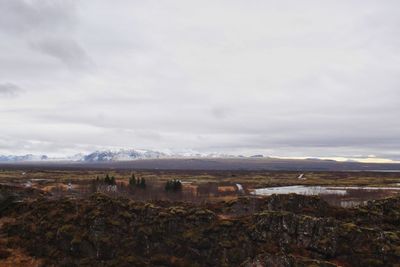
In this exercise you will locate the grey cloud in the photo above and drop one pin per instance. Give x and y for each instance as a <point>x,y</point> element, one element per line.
<point>46,26</point>
<point>67,51</point>
<point>220,112</point>
<point>9,90</point>
<point>289,79</point>
<point>23,16</point>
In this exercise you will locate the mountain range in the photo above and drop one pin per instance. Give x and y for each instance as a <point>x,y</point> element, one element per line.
<point>118,155</point>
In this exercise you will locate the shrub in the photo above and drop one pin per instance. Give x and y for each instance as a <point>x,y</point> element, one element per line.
<point>173,186</point>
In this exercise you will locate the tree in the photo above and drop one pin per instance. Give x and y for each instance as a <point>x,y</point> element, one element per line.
<point>168,186</point>
<point>178,185</point>
<point>132,180</point>
<point>107,179</point>
<point>142,183</point>
<point>173,185</point>
<point>112,181</point>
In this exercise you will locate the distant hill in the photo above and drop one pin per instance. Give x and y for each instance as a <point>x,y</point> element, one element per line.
<point>237,164</point>
<point>151,159</point>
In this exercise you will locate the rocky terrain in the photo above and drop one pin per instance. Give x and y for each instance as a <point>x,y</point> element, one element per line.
<point>284,230</point>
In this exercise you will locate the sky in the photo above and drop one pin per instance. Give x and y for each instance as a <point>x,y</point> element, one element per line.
<point>284,78</point>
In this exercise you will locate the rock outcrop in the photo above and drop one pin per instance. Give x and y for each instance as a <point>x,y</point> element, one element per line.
<point>278,231</point>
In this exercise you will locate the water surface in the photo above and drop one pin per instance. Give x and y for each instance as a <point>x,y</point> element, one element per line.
<point>344,196</point>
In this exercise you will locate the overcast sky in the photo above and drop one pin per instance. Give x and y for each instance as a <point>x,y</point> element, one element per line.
<point>287,78</point>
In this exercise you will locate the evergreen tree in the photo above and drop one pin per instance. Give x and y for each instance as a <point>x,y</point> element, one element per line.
<point>112,181</point>
<point>132,180</point>
<point>107,179</point>
<point>142,183</point>
<point>178,185</point>
<point>168,186</point>
<point>173,185</point>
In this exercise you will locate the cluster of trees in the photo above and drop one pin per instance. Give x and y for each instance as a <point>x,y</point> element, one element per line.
<point>107,180</point>
<point>137,182</point>
<point>173,186</point>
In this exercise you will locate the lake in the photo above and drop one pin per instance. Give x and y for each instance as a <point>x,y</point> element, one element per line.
<point>344,196</point>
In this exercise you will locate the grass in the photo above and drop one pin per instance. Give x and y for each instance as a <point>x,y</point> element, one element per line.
<point>253,178</point>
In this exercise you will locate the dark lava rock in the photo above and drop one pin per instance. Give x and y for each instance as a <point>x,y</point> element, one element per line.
<point>283,260</point>
<point>278,231</point>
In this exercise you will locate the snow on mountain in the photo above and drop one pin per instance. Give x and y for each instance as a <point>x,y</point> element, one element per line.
<point>132,154</point>
<point>28,157</point>
<point>123,155</point>
<point>118,155</point>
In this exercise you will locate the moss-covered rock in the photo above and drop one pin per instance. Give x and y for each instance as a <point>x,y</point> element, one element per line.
<point>274,231</point>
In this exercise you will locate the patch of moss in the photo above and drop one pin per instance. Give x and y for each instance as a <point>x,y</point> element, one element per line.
<point>66,229</point>
<point>49,235</point>
<point>349,226</point>
<point>115,222</point>
<point>76,240</point>
<point>177,210</point>
<point>397,251</point>
<point>226,244</point>
<point>126,215</point>
<point>226,223</point>
<point>372,262</point>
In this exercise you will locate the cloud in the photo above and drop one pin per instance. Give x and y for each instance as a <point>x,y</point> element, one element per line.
<point>289,79</point>
<point>67,51</point>
<point>36,16</point>
<point>9,90</point>
<point>47,27</point>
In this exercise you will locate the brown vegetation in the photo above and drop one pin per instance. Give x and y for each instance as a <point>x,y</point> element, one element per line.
<point>299,230</point>
<point>205,223</point>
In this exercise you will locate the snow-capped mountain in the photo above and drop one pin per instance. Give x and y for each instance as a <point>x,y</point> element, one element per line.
<point>122,155</point>
<point>28,157</point>
<point>133,154</point>
<point>116,155</point>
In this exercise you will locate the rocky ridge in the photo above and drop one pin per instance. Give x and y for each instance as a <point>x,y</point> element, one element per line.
<point>284,230</point>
